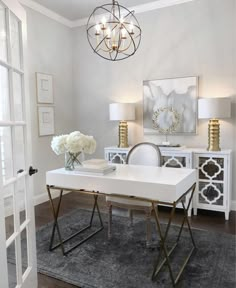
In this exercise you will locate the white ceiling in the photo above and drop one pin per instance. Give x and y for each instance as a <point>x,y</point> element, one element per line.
<point>78,9</point>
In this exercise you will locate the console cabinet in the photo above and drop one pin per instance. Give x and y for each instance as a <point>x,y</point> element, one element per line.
<point>214,183</point>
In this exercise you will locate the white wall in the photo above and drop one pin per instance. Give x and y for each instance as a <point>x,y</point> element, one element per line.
<point>196,38</point>
<point>50,51</point>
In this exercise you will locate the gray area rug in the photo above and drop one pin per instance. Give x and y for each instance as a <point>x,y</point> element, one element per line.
<point>125,262</point>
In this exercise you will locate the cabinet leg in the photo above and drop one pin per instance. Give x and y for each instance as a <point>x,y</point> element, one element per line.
<point>195,211</point>
<point>189,212</point>
<point>227,215</point>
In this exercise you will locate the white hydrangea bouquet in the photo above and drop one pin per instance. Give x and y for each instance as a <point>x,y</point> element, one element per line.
<point>72,145</point>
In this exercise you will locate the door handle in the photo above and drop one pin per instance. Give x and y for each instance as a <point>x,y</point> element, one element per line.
<point>32,171</point>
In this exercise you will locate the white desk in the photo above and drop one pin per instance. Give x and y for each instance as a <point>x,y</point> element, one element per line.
<point>158,183</point>
<point>154,184</point>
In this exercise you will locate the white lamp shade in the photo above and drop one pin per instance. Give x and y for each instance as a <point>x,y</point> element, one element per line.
<point>218,108</point>
<point>122,111</point>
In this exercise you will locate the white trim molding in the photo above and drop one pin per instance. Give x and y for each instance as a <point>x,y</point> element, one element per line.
<point>157,5</point>
<point>41,198</point>
<point>233,205</point>
<point>83,21</point>
<point>47,12</point>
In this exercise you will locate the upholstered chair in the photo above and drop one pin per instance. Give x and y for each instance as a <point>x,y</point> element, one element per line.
<point>147,154</point>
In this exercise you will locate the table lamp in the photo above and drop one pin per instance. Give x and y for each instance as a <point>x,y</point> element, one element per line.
<point>122,112</point>
<point>214,109</point>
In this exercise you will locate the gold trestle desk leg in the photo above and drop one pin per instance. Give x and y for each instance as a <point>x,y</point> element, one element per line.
<point>55,228</point>
<point>55,225</point>
<point>163,238</point>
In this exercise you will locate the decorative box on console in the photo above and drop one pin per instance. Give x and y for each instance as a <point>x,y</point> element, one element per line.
<point>213,190</point>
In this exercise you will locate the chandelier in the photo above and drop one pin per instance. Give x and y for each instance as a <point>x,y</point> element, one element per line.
<point>113,32</point>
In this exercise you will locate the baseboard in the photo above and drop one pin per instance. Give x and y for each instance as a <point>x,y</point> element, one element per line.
<point>233,205</point>
<point>41,198</point>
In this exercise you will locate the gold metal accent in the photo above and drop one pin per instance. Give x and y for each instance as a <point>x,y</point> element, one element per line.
<point>213,135</point>
<point>164,250</point>
<point>55,212</point>
<point>175,120</point>
<point>123,134</point>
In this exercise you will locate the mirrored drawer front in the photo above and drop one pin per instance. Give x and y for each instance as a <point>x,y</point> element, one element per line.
<point>211,168</point>
<point>174,161</point>
<point>119,158</point>
<point>211,193</point>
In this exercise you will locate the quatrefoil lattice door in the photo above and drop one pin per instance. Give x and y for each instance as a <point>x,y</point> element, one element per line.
<point>212,190</point>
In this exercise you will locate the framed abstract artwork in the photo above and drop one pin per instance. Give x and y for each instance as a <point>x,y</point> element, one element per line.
<point>170,106</point>
<point>44,88</point>
<point>46,120</point>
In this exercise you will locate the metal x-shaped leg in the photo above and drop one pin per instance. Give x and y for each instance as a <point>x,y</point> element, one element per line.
<point>163,238</point>
<point>55,212</point>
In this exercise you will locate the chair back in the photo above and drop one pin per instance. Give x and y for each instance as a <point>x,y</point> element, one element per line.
<point>144,153</point>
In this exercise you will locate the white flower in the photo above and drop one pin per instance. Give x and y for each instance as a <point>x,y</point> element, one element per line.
<point>90,145</point>
<point>58,144</point>
<point>74,143</point>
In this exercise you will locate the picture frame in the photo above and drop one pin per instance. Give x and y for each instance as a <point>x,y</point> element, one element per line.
<point>46,120</point>
<point>170,106</point>
<point>44,87</point>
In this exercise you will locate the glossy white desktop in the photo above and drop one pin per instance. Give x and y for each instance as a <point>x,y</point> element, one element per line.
<point>159,183</point>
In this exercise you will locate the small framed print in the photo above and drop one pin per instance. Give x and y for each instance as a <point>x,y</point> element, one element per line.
<point>46,120</point>
<point>44,88</point>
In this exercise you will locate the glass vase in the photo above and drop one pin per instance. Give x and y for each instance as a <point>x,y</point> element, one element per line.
<point>72,160</point>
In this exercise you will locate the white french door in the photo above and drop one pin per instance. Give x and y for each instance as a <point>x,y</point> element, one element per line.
<point>17,227</point>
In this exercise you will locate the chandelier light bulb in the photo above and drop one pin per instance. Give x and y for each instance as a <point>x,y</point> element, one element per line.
<point>123,33</point>
<point>97,28</point>
<point>113,32</point>
<point>108,33</point>
<point>131,27</point>
<point>104,21</point>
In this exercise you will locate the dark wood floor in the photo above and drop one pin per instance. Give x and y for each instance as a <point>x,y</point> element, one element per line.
<point>207,220</point>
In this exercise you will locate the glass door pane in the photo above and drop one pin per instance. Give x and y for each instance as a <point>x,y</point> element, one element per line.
<point>4,95</point>
<point>11,257</point>
<point>24,250</point>
<point>17,97</point>
<point>20,198</point>
<point>6,153</point>
<point>8,203</point>
<point>3,34</point>
<point>15,41</point>
<point>19,149</point>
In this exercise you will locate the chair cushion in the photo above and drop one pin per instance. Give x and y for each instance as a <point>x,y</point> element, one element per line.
<point>128,202</point>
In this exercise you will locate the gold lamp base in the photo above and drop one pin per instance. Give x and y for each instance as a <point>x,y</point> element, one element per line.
<point>123,134</point>
<point>213,135</point>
